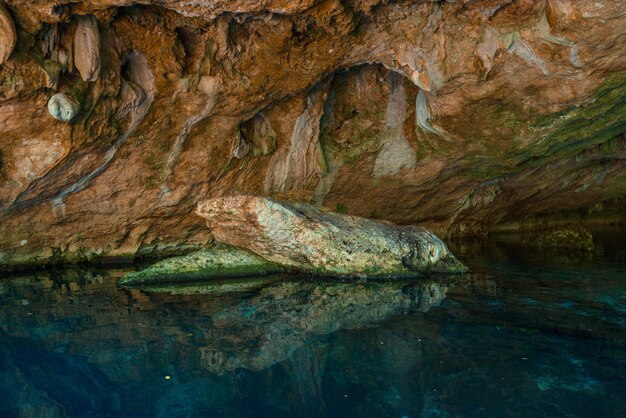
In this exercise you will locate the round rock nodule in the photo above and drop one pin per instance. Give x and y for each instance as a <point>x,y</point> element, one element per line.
<point>62,107</point>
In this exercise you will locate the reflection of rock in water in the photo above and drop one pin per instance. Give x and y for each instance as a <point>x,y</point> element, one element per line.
<point>80,346</point>
<point>269,327</point>
<point>111,337</point>
<point>223,326</point>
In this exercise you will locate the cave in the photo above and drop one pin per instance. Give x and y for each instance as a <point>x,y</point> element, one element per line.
<point>381,171</point>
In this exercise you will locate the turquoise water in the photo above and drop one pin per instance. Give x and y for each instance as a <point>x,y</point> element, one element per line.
<point>527,334</point>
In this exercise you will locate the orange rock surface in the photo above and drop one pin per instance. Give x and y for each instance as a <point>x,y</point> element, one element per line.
<point>458,116</point>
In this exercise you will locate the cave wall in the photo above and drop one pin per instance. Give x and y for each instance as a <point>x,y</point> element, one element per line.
<point>118,116</point>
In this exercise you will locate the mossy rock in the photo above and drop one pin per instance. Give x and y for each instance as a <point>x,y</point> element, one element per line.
<point>218,262</point>
<point>570,237</point>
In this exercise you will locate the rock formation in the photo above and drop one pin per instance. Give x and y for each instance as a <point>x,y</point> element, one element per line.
<point>62,107</point>
<point>87,48</point>
<point>460,116</point>
<point>566,238</point>
<point>300,236</point>
<point>8,34</point>
<point>215,262</point>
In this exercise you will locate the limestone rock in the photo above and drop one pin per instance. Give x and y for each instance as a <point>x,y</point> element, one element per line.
<point>519,114</point>
<point>8,34</point>
<point>87,48</point>
<point>216,262</point>
<point>304,157</point>
<point>301,236</point>
<point>63,107</point>
<point>259,134</point>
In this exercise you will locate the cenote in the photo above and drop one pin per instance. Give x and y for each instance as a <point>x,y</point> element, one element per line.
<point>525,333</point>
<point>312,208</point>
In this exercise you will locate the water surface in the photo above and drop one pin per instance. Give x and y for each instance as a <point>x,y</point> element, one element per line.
<point>528,333</point>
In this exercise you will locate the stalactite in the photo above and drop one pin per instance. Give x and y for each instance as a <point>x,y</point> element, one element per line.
<point>396,152</point>
<point>87,48</point>
<point>8,34</point>
<point>140,76</point>
<point>258,133</point>
<point>304,158</point>
<point>211,88</point>
<point>544,31</point>
<point>422,114</point>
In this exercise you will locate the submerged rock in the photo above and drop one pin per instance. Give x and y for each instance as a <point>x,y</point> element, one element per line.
<point>306,238</point>
<point>8,34</point>
<point>216,262</point>
<point>570,237</point>
<point>217,286</point>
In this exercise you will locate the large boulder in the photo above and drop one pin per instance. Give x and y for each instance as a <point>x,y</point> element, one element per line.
<point>306,238</point>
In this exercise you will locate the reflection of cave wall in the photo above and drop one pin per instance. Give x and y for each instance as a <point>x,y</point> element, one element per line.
<point>450,115</point>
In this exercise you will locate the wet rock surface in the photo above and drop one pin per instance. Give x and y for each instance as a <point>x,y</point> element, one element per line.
<point>303,237</point>
<point>563,238</point>
<point>216,262</point>
<point>457,116</point>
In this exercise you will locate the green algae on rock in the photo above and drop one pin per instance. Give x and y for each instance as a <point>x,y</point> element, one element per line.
<point>570,237</point>
<point>212,263</point>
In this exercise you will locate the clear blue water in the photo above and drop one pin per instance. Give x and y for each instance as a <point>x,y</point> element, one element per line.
<point>527,334</point>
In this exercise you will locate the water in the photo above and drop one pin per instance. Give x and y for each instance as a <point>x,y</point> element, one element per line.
<point>527,334</point>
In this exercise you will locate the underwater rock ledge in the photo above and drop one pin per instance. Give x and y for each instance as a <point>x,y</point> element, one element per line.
<point>218,261</point>
<point>566,238</point>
